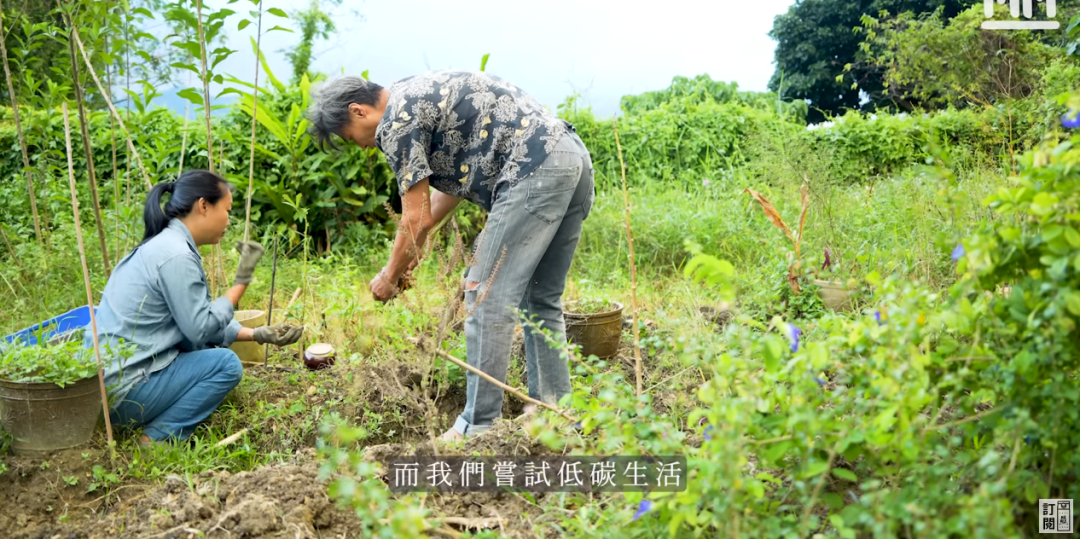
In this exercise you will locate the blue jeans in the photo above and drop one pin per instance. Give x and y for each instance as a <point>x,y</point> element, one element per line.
<point>173,401</point>
<point>522,258</point>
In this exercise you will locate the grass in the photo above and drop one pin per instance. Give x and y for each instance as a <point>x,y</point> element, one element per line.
<point>894,226</point>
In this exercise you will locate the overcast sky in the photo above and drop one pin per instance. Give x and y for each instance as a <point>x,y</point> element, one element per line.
<point>601,48</point>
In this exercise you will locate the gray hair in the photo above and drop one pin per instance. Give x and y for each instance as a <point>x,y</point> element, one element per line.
<point>329,109</point>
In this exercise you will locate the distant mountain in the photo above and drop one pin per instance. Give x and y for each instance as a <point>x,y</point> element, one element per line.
<point>170,100</point>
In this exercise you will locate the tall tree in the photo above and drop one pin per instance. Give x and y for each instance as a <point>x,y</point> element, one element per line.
<point>816,39</point>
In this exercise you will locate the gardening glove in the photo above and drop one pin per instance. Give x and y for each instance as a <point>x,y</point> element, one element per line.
<point>278,335</point>
<point>250,253</point>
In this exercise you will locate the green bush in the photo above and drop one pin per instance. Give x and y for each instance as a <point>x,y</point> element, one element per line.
<point>61,364</point>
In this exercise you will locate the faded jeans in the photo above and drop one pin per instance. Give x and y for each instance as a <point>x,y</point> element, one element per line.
<point>522,258</point>
<point>174,400</point>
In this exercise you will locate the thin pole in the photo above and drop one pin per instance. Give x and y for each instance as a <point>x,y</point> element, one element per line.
<point>115,173</point>
<point>86,278</point>
<point>254,114</point>
<point>633,266</point>
<point>19,131</point>
<point>270,309</point>
<point>87,148</point>
<point>206,86</point>
<point>108,101</point>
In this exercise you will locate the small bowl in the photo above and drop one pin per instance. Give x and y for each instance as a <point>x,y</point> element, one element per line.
<point>319,356</point>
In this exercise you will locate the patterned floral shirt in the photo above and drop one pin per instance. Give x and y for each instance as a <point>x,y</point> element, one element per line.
<point>466,132</point>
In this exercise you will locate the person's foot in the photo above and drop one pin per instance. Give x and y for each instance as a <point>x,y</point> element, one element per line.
<point>145,442</point>
<point>451,435</point>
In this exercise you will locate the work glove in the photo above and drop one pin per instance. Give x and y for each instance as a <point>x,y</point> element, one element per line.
<point>250,253</point>
<point>278,335</point>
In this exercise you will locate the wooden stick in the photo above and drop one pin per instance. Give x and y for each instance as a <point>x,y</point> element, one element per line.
<point>183,142</point>
<point>19,131</point>
<point>86,146</point>
<point>254,114</point>
<point>11,251</point>
<point>270,310</point>
<point>206,86</point>
<point>115,173</point>
<point>423,346</point>
<point>86,278</point>
<point>293,300</point>
<point>633,266</point>
<point>108,101</point>
<point>234,437</point>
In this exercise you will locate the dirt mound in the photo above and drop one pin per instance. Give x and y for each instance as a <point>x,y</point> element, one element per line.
<point>273,501</point>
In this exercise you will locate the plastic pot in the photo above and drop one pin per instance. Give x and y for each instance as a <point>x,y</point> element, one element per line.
<point>46,417</point>
<point>833,294</point>
<point>598,334</point>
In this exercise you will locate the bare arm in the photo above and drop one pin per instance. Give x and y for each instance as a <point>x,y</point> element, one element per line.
<point>416,221</point>
<point>235,293</point>
<point>246,334</point>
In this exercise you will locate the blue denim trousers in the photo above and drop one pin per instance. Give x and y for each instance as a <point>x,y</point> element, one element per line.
<point>170,403</point>
<point>521,261</point>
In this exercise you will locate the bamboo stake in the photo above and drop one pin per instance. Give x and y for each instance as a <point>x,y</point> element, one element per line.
<point>86,146</point>
<point>206,86</point>
<point>633,266</point>
<point>183,143</point>
<point>86,278</point>
<point>11,251</point>
<point>18,130</point>
<point>108,101</point>
<point>115,173</point>
<point>254,114</point>
<point>423,346</point>
<point>232,438</point>
<point>270,309</point>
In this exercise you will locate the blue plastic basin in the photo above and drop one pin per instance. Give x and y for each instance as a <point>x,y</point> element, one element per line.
<point>72,320</point>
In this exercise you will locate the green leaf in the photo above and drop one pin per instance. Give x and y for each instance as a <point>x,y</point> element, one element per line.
<point>143,11</point>
<point>1072,236</point>
<point>280,28</point>
<point>776,451</point>
<point>242,24</point>
<point>814,468</point>
<point>484,61</point>
<point>1072,302</point>
<point>365,74</point>
<point>844,473</point>
<point>278,12</point>
<point>191,95</point>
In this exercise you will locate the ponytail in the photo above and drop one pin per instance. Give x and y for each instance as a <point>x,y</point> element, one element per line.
<point>192,185</point>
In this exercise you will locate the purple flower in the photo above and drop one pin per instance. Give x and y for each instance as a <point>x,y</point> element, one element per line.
<point>793,335</point>
<point>877,316</point>
<point>958,252</point>
<point>819,381</point>
<point>705,182</point>
<point>644,507</point>
<point>828,261</point>
<point>707,435</point>
<point>1071,123</point>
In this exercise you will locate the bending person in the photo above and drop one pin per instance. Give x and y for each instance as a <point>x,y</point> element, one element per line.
<point>157,299</point>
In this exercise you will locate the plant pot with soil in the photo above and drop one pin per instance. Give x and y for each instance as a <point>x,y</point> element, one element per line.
<point>50,397</point>
<point>595,325</point>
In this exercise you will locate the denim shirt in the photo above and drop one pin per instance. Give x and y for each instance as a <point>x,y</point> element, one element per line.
<point>157,299</point>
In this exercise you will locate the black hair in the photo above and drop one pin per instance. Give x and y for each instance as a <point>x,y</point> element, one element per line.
<point>192,185</point>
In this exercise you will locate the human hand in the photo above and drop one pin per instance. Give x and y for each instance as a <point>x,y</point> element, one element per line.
<point>250,253</point>
<point>381,287</point>
<point>278,335</point>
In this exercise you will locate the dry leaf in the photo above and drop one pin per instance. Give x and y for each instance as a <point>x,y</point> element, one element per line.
<point>770,212</point>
